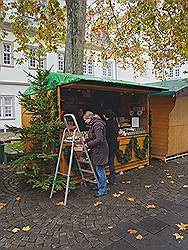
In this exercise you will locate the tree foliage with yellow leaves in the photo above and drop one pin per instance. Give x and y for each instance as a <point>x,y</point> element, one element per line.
<point>130,31</point>
<point>136,31</point>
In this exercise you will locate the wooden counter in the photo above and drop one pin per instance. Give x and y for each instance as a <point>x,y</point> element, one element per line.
<point>133,151</point>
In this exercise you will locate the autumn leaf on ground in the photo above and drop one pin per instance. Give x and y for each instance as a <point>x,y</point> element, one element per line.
<point>185,186</point>
<point>178,236</point>
<point>139,237</point>
<point>182,226</point>
<point>132,231</point>
<point>147,186</point>
<point>116,195</point>
<point>181,175</point>
<point>162,182</point>
<point>172,182</point>
<point>121,192</point>
<point>110,227</point>
<point>98,203</point>
<point>130,199</point>
<point>128,182</point>
<point>2,205</point>
<point>150,206</point>
<point>169,176</point>
<point>18,199</point>
<point>26,229</point>
<point>15,230</point>
<point>59,203</point>
<point>123,182</point>
<point>141,167</point>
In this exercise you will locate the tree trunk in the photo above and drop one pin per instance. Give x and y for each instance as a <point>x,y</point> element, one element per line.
<point>75,37</point>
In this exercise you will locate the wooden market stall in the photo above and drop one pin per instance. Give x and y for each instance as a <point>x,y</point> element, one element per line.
<point>170,119</point>
<point>128,100</point>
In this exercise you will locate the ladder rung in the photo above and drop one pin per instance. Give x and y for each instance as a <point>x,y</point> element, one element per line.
<point>92,181</point>
<point>86,171</point>
<point>82,161</point>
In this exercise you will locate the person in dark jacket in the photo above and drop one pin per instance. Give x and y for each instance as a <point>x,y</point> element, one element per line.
<point>111,135</point>
<point>99,148</point>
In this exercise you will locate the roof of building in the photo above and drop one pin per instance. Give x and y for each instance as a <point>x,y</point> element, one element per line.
<point>62,79</point>
<point>174,86</point>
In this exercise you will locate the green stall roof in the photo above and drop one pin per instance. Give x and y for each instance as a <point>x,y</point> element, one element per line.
<point>174,86</point>
<point>62,79</point>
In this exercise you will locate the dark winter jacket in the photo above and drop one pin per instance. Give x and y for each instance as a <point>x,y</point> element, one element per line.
<point>112,134</point>
<point>97,141</point>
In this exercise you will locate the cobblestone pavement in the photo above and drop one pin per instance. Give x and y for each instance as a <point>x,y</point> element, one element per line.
<point>83,225</point>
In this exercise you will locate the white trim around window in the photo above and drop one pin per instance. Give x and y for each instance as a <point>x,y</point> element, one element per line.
<point>7,55</point>
<point>88,67</point>
<point>7,107</point>
<point>107,69</point>
<point>60,61</point>
<point>33,62</point>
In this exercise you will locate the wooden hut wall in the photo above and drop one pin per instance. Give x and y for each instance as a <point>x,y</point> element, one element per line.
<point>160,108</point>
<point>178,127</point>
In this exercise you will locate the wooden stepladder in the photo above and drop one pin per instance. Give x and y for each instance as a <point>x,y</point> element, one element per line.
<point>74,140</point>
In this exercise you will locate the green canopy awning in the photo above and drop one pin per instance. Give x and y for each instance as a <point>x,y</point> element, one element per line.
<point>62,79</point>
<point>174,87</point>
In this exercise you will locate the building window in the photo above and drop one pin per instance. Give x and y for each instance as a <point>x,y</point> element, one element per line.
<point>88,67</point>
<point>171,73</point>
<point>7,54</point>
<point>34,62</point>
<point>60,62</point>
<point>6,107</point>
<point>107,69</point>
<point>177,72</point>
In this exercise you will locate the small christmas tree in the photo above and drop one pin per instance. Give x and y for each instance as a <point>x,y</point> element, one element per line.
<point>41,138</point>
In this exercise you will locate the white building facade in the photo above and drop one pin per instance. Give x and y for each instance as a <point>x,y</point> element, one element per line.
<point>13,78</point>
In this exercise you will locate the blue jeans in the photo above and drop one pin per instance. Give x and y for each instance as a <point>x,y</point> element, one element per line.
<point>100,170</point>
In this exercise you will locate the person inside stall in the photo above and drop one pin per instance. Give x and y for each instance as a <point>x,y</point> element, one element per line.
<point>81,123</point>
<point>111,136</point>
<point>99,148</point>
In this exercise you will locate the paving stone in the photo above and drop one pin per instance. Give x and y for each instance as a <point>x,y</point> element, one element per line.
<point>153,242</point>
<point>83,226</point>
<point>152,225</point>
<point>121,244</point>
<point>167,236</point>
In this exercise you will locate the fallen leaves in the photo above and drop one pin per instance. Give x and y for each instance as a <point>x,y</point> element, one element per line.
<point>98,203</point>
<point>172,182</point>
<point>123,182</point>
<point>182,226</point>
<point>18,199</point>
<point>150,206</point>
<point>141,167</point>
<point>147,186</point>
<point>169,176</point>
<point>2,205</point>
<point>181,176</point>
<point>132,231</point>
<point>131,199</point>
<point>26,229</point>
<point>110,227</point>
<point>139,237</point>
<point>15,230</point>
<point>59,203</point>
<point>118,194</point>
<point>185,186</point>
<point>121,173</point>
<point>162,182</point>
<point>178,236</point>
<point>128,182</point>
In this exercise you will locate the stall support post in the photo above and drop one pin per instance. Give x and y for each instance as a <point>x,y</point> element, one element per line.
<point>2,151</point>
